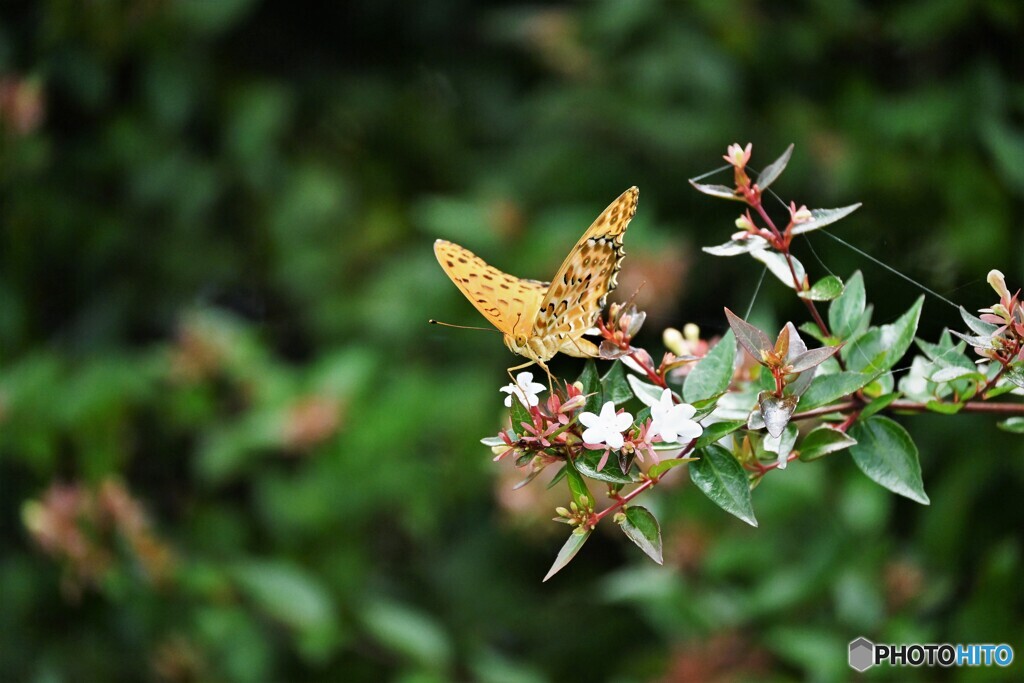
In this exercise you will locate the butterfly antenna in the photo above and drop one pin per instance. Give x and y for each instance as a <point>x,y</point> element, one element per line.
<point>461,327</point>
<point>632,297</point>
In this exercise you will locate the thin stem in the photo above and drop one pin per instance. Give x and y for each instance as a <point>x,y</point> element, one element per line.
<point>651,374</point>
<point>621,501</point>
<point>761,468</point>
<point>995,408</point>
<point>992,382</point>
<point>783,248</point>
<point>913,407</point>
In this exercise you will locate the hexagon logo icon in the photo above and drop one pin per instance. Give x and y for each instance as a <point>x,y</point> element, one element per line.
<point>862,654</point>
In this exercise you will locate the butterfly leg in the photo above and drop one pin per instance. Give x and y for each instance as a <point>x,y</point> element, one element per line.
<point>543,366</point>
<point>518,367</point>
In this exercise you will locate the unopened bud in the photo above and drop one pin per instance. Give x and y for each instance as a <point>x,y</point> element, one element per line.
<point>562,512</point>
<point>674,341</point>
<point>998,282</point>
<point>574,403</point>
<point>801,215</point>
<point>691,332</point>
<point>33,515</point>
<point>738,156</point>
<point>619,517</point>
<point>744,223</point>
<point>636,322</point>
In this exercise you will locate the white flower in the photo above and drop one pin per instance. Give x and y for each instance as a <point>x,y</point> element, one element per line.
<point>607,427</point>
<point>672,421</point>
<point>525,389</point>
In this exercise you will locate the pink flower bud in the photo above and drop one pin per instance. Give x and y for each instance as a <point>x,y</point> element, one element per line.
<point>738,156</point>
<point>801,215</point>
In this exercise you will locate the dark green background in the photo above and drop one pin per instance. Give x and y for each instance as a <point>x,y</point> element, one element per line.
<point>255,187</point>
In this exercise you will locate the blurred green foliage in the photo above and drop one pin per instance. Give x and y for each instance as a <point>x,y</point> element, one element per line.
<point>230,447</point>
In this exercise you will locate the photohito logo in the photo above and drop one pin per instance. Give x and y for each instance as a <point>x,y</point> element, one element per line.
<point>864,654</point>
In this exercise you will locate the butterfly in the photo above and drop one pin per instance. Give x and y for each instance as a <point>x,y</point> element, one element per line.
<point>541,319</point>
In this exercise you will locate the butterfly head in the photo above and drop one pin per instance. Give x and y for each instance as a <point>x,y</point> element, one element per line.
<point>518,344</point>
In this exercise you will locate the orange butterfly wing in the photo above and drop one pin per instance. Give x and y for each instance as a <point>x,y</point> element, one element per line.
<point>508,302</point>
<point>579,290</point>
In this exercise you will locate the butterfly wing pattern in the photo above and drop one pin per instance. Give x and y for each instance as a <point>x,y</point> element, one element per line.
<point>506,301</point>
<point>538,319</point>
<point>580,287</point>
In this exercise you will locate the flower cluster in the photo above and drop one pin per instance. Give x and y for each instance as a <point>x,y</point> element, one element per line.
<point>754,389</point>
<point>623,323</point>
<point>84,529</point>
<point>1006,343</point>
<point>558,428</point>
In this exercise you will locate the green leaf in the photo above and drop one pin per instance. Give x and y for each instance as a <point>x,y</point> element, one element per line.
<point>705,406</point>
<point>827,388</point>
<point>946,354</point>
<point>773,170</point>
<point>591,387</point>
<point>662,446</point>
<point>979,342</point>
<point>812,330</point>
<point>414,635</point>
<point>812,358</point>
<point>648,393</point>
<point>586,464</point>
<point>954,373</point>
<point>880,348</point>
<point>572,546</point>
<point>578,486</point>
<point>715,431</point>
<point>977,325</point>
<point>999,390</point>
<point>822,441</point>
<point>736,247</point>
<point>720,191</point>
<point>559,476</point>
<point>1014,425</point>
<point>822,217</point>
<point>722,479</point>
<point>887,455</point>
<point>614,385</point>
<point>779,267</point>
<point>641,527</point>
<point>944,408</point>
<point>1015,375</point>
<point>666,465</point>
<point>286,593</point>
<point>826,289</point>
<point>712,374</point>
<point>845,312</point>
<point>877,405</point>
<point>519,414</point>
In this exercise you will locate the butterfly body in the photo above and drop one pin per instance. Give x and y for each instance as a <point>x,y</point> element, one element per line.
<point>538,319</point>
